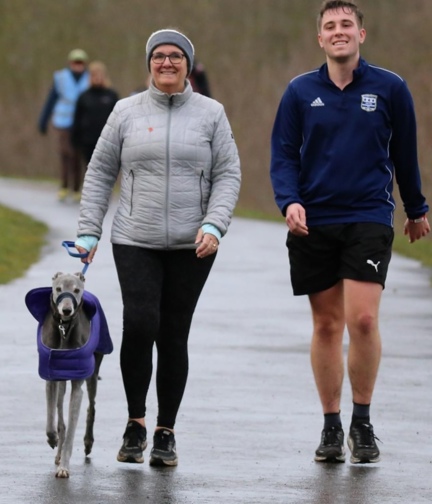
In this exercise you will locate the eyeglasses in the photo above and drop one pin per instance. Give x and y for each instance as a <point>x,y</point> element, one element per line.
<point>175,58</point>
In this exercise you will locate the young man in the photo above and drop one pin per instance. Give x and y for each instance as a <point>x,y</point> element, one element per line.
<point>341,134</point>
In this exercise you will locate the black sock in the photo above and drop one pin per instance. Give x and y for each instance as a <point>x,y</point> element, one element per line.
<point>361,412</point>
<point>332,420</point>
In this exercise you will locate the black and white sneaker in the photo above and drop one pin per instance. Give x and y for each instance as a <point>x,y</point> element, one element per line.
<point>331,448</point>
<point>134,443</point>
<point>163,452</point>
<point>361,442</point>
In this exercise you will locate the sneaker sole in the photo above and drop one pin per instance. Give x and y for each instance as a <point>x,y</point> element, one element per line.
<point>331,458</point>
<point>362,460</point>
<point>339,459</point>
<point>158,462</point>
<point>131,459</point>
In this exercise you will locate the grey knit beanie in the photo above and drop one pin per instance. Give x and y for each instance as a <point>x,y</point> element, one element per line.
<point>174,37</point>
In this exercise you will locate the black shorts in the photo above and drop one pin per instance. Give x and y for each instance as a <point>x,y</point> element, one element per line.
<point>359,251</point>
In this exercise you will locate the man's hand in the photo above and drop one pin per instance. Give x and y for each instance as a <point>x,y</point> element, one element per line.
<point>416,230</point>
<point>296,219</point>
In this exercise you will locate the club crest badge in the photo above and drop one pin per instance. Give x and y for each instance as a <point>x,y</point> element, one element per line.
<point>369,102</point>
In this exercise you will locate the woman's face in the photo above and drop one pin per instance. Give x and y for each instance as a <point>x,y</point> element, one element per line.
<point>97,77</point>
<point>167,76</point>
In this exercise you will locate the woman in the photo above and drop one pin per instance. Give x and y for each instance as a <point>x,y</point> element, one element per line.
<point>180,179</point>
<point>92,110</point>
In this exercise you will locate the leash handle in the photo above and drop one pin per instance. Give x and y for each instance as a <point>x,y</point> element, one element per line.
<point>68,245</point>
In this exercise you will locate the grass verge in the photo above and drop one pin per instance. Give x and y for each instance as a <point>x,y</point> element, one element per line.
<point>21,240</point>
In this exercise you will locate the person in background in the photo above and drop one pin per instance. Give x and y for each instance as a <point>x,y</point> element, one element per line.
<point>341,134</point>
<point>92,110</point>
<point>199,80</point>
<point>180,179</point>
<point>68,84</point>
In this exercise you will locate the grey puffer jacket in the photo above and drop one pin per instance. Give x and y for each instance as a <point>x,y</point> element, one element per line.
<point>179,169</point>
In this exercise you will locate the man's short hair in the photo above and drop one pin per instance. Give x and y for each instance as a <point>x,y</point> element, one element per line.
<point>349,7</point>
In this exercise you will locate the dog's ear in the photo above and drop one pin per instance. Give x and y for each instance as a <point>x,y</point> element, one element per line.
<point>80,276</point>
<point>59,273</point>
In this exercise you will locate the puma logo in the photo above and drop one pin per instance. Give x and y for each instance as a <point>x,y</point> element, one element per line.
<point>373,264</point>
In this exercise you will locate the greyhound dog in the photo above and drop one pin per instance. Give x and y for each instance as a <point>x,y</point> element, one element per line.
<point>67,327</point>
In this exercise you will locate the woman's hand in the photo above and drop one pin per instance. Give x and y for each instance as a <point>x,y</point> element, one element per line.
<point>207,244</point>
<point>89,258</point>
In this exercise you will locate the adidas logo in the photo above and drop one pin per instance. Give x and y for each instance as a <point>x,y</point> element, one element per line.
<point>317,102</point>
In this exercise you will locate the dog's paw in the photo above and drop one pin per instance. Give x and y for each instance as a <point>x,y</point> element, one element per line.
<point>88,445</point>
<point>62,472</point>
<point>52,439</point>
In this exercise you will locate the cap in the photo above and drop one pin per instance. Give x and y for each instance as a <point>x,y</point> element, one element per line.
<point>77,55</point>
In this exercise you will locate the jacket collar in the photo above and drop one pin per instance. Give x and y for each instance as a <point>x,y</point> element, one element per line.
<point>175,100</point>
<point>358,72</point>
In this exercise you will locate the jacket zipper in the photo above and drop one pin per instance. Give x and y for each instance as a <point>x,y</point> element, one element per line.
<point>168,170</point>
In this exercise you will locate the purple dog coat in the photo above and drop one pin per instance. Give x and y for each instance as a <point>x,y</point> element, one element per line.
<point>77,363</point>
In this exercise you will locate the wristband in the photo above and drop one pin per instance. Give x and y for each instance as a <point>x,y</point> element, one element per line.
<point>418,220</point>
<point>87,242</point>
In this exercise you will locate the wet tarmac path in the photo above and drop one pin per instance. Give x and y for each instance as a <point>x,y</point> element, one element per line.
<point>250,419</point>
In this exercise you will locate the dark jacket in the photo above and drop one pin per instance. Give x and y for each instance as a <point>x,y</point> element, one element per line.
<point>91,113</point>
<point>336,152</point>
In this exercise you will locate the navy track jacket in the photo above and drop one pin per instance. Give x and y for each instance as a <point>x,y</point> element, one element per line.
<point>336,152</point>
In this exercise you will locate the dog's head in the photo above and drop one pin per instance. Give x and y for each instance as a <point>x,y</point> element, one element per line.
<point>67,293</point>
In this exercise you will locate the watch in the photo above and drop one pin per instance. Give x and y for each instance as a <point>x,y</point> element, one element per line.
<point>418,220</point>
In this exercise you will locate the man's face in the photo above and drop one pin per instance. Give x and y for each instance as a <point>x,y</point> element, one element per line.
<point>340,35</point>
<point>77,66</point>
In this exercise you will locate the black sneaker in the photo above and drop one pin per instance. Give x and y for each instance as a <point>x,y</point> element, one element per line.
<point>361,442</point>
<point>331,448</point>
<point>134,443</point>
<point>163,452</point>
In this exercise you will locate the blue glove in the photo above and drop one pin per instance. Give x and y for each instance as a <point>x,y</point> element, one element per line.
<point>87,242</point>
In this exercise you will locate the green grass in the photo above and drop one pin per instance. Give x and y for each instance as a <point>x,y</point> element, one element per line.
<point>21,240</point>
<point>420,250</point>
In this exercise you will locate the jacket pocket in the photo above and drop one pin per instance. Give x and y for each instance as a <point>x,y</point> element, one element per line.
<point>131,180</point>
<point>205,190</point>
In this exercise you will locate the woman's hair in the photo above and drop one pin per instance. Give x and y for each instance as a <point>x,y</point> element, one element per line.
<point>98,66</point>
<point>349,7</point>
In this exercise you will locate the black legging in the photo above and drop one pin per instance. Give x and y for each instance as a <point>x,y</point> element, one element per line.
<point>160,290</point>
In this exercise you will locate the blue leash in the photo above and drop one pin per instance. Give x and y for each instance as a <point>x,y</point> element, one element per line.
<point>70,244</point>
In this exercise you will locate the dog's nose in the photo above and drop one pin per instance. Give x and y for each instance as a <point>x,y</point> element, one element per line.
<point>66,312</point>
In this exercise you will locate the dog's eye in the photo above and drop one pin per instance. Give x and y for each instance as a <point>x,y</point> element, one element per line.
<point>76,291</point>
<point>58,289</point>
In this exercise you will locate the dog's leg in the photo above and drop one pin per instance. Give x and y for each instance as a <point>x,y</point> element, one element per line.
<point>74,410</point>
<point>92,383</point>
<point>61,427</point>
<point>51,390</point>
